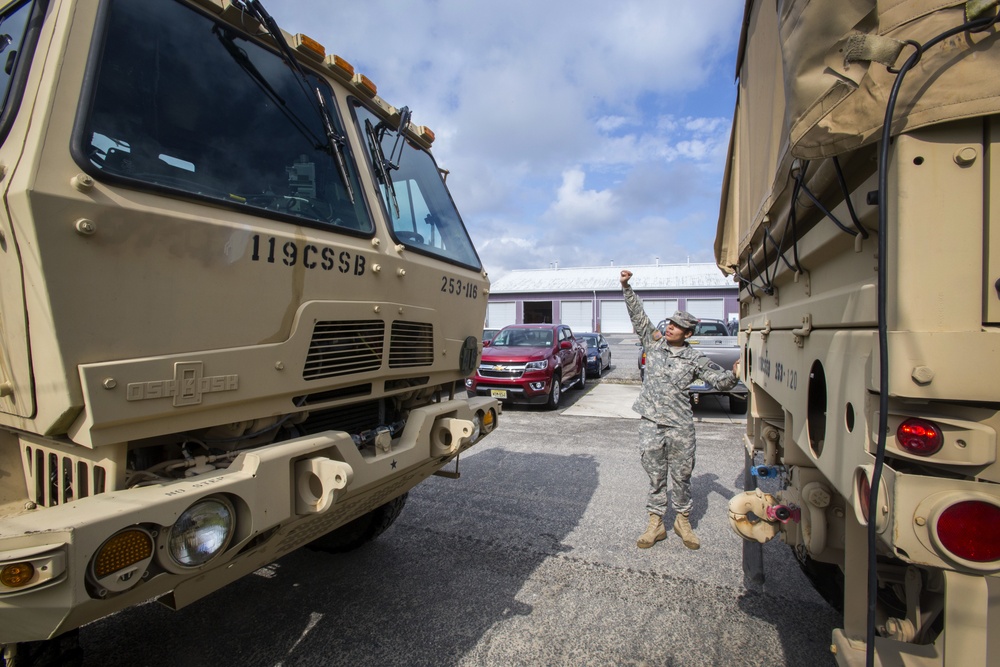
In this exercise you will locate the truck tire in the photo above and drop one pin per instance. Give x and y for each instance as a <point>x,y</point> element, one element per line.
<point>362,530</point>
<point>582,380</point>
<point>61,651</point>
<point>555,392</point>
<point>826,578</point>
<point>737,405</point>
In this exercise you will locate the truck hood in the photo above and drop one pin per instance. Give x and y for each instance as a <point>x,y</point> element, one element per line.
<point>515,354</point>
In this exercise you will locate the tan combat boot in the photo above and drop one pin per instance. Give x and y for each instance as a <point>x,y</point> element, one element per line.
<point>654,532</point>
<point>683,528</point>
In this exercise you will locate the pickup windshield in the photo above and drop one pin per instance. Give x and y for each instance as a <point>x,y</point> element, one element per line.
<point>183,103</point>
<point>523,338</point>
<point>417,203</point>
<point>711,329</point>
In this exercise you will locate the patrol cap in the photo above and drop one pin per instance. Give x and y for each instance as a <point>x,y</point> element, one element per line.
<point>683,319</point>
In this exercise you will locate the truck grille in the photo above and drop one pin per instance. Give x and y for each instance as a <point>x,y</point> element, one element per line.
<point>342,348</point>
<point>411,344</point>
<point>54,477</point>
<point>504,371</point>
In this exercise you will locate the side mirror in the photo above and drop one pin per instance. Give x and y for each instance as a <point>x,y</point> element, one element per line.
<point>565,345</point>
<point>486,343</point>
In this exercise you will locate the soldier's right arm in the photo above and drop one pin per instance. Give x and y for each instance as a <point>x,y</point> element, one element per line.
<point>640,321</point>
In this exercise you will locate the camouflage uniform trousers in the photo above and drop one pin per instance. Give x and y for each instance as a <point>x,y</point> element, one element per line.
<point>667,450</point>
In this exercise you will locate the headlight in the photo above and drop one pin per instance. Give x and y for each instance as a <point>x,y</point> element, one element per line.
<point>537,365</point>
<point>202,532</point>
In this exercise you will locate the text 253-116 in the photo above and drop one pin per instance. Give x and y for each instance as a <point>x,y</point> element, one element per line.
<point>458,287</point>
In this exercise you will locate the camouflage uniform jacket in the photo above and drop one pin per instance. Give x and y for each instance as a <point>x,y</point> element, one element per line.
<point>664,396</point>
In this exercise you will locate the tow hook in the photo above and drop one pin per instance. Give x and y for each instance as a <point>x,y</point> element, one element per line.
<point>754,515</point>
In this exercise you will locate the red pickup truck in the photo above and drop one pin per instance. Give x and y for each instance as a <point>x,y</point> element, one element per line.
<point>530,363</point>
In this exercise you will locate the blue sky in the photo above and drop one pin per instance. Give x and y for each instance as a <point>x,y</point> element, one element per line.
<point>582,132</point>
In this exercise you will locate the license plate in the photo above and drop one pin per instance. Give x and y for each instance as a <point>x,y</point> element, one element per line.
<point>498,393</point>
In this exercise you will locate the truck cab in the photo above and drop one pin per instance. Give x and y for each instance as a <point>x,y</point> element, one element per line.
<point>237,305</point>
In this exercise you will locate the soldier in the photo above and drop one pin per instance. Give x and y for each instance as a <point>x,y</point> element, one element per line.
<point>667,428</point>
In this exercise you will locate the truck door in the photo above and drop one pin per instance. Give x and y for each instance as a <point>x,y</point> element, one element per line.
<point>21,25</point>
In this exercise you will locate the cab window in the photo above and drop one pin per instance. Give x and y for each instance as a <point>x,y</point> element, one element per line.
<point>186,104</point>
<point>417,204</point>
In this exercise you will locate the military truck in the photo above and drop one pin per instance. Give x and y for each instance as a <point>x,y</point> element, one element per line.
<point>859,217</point>
<point>237,306</point>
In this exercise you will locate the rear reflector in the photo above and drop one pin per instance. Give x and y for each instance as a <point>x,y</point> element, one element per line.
<point>864,495</point>
<point>968,529</point>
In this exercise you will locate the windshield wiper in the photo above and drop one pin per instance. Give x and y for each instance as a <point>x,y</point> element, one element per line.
<point>382,166</point>
<point>241,58</point>
<point>335,141</point>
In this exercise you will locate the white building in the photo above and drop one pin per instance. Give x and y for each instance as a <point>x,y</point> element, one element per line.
<point>590,298</point>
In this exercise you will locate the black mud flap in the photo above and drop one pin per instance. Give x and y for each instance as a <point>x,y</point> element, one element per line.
<point>753,552</point>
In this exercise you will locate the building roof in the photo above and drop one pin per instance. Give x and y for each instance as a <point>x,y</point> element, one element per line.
<point>606,278</point>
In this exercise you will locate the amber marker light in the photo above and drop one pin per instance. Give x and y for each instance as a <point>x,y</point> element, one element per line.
<point>122,550</point>
<point>365,84</point>
<point>489,420</point>
<point>338,63</point>
<point>308,44</point>
<point>16,575</point>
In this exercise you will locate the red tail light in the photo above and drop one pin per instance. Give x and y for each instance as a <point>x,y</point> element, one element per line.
<point>919,436</point>
<point>968,529</point>
<point>864,495</point>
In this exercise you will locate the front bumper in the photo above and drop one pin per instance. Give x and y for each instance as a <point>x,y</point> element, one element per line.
<point>284,496</point>
<point>531,390</point>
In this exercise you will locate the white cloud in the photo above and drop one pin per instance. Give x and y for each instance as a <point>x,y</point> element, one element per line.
<point>581,208</point>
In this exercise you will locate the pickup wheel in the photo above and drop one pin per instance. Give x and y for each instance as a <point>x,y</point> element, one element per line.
<point>555,392</point>
<point>583,375</point>
<point>364,529</point>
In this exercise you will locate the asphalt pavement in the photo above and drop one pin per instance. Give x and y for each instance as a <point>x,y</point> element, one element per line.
<point>528,558</point>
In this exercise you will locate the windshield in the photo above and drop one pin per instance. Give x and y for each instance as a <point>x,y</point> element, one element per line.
<point>183,103</point>
<point>591,341</point>
<point>420,210</point>
<point>711,329</point>
<point>523,338</point>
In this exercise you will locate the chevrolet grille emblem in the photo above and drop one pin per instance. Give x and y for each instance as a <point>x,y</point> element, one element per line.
<point>499,368</point>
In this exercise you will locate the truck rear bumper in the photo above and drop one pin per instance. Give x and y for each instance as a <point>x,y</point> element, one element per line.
<point>281,497</point>
<point>971,609</point>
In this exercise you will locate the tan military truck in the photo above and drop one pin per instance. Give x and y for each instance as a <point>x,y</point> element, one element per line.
<point>237,306</point>
<point>868,257</point>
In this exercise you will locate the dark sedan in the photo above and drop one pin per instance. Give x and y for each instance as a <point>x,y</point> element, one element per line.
<point>598,353</point>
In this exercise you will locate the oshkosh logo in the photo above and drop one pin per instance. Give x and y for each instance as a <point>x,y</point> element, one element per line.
<point>186,387</point>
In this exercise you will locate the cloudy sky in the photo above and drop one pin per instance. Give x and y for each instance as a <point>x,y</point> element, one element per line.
<point>577,132</point>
